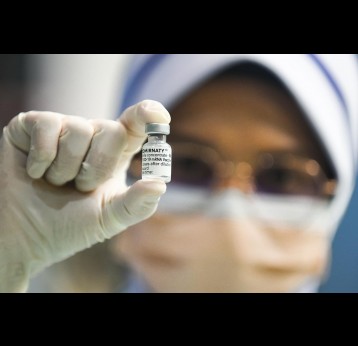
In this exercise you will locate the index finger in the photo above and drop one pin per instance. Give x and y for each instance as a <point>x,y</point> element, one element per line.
<point>134,119</point>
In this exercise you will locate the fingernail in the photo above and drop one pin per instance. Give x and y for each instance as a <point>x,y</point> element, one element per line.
<point>155,106</point>
<point>155,184</point>
<point>35,169</point>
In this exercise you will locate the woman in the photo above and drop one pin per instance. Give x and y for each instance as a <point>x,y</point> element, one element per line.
<point>259,183</point>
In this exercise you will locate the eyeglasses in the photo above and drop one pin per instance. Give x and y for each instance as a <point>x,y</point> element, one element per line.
<point>269,173</point>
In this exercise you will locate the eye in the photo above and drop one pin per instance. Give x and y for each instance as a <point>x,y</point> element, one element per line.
<point>191,171</point>
<point>286,182</point>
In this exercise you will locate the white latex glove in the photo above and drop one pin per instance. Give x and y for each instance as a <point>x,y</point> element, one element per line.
<point>62,186</point>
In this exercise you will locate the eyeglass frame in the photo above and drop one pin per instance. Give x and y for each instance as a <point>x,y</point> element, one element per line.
<point>223,169</point>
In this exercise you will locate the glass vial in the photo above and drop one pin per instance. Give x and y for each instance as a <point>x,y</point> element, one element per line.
<point>157,153</point>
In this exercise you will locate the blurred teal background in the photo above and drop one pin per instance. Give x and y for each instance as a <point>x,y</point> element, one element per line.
<point>344,267</point>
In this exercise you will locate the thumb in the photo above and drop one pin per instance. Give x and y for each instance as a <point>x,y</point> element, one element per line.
<point>138,203</point>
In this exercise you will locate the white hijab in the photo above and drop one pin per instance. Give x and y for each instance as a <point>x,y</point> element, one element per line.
<point>324,85</point>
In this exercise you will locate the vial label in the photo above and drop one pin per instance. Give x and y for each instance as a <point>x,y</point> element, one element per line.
<point>157,161</point>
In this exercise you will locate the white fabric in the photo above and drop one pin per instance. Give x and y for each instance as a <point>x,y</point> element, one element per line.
<point>262,212</point>
<point>285,212</point>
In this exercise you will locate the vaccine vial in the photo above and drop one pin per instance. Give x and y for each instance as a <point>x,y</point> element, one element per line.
<point>157,153</point>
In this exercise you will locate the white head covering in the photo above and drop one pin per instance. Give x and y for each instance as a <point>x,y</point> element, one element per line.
<point>324,85</point>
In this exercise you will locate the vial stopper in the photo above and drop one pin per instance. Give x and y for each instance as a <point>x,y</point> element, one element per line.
<point>151,128</point>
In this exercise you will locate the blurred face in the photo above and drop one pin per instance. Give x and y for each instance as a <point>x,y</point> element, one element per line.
<point>232,134</point>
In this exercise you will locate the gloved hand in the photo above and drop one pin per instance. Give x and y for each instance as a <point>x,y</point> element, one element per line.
<point>63,189</point>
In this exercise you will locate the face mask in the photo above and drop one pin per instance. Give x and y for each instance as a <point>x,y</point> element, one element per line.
<point>279,212</point>
<point>265,215</point>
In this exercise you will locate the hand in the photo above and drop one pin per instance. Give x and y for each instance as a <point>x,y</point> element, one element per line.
<point>63,189</point>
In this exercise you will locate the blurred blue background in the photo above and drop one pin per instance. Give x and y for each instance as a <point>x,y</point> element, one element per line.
<point>344,267</point>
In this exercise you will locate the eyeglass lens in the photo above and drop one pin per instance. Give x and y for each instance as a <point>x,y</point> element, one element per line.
<point>193,168</point>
